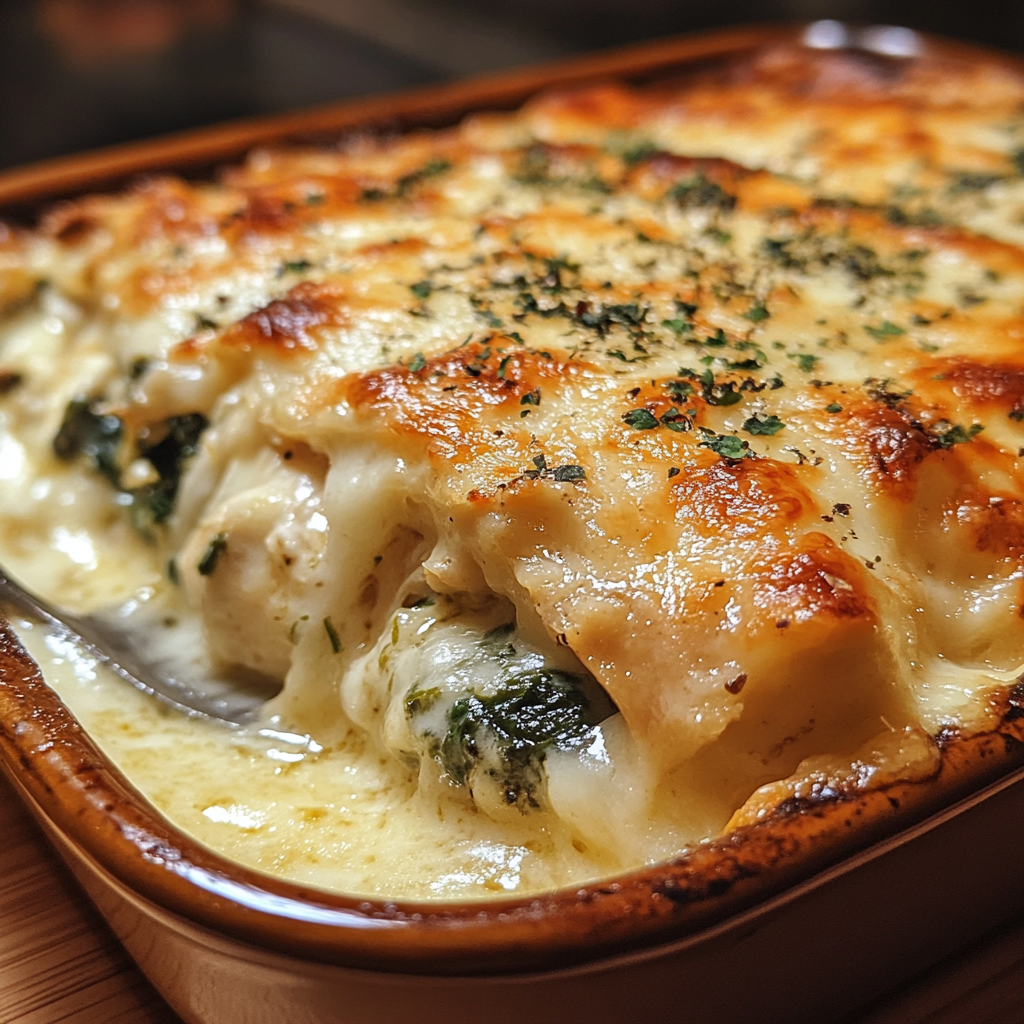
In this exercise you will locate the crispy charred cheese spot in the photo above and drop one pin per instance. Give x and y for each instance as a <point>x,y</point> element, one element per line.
<point>723,548</point>
<point>989,387</point>
<point>289,323</point>
<point>752,497</point>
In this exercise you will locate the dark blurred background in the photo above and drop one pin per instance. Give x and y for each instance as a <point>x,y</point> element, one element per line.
<point>75,74</point>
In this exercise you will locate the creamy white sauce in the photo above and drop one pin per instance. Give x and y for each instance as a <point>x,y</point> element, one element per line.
<point>326,810</point>
<point>322,529</point>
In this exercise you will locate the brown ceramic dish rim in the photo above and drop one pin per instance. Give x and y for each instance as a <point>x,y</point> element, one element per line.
<point>198,151</point>
<point>750,871</point>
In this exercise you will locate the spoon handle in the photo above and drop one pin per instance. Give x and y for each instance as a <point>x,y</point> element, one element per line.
<point>115,649</point>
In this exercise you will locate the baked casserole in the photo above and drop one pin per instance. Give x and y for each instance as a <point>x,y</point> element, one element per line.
<point>592,481</point>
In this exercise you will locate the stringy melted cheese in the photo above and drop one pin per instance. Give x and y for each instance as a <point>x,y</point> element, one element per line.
<point>711,394</point>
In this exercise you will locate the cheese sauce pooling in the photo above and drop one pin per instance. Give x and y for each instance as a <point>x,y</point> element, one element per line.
<point>328,812</point>
<point>593,477</point>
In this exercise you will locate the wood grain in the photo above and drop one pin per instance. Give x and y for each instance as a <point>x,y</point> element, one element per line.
<point>983,984</point>
<point>59,964</point>
<point>58,960</point>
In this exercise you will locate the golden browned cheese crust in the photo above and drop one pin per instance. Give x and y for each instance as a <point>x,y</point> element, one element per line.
<point>717,383</point>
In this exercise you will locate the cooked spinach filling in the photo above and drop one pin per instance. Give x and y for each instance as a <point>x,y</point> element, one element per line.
<point>100,439</point>
<point>153,503</point>
<point>506,730</point>
<point>97,437</point>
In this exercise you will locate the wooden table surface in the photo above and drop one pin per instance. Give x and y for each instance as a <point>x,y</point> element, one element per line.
<point>58,960</point>
<point>59,964</point>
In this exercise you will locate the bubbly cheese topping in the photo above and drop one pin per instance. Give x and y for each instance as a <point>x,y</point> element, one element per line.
<point>605,473</point>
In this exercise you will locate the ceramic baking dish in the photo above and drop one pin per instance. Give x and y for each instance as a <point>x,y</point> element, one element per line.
<point>804,916</point>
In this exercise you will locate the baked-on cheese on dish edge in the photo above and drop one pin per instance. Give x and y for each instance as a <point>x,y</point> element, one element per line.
<point>597,478</point>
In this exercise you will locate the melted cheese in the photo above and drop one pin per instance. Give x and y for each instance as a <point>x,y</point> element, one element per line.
<point>711,397</point>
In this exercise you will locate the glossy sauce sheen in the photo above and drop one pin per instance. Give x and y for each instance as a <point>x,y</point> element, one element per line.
<point>715,392</point>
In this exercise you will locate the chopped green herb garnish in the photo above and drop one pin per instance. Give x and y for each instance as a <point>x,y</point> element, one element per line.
<point>421,289</point>
<point>417,362</point>
<point>332,635</point>
<point>565,474</point>
<point>699,192</point>
<point>947,435</point>
<point>217,546</point>
<point>484,311</point>
<point>778,251</point>
<point>805,361</point>
<point>531,397</point>
<point>719,392</point>
<point>629,314</point>
<point>887,329</point>
<point>675,420</point>
<point>833,407</point>
<point>167,448</point>
<point>680,388</point>
<point>295,267</point>
<point>676,326</point>
<point>763,425</point>
<point>429,170</point>
<point>640,419</point>
<point>757,313</point>
<point>887,392</point>
<point>728,446</point>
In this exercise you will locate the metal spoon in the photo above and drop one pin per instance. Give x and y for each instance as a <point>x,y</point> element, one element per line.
<point>181,674</point>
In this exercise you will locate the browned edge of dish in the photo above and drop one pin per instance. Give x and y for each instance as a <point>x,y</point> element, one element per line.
<point>431,107</point>
<point>92,803</point>
<point>199,150</point>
